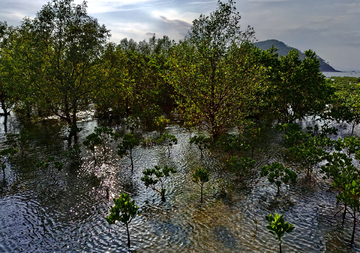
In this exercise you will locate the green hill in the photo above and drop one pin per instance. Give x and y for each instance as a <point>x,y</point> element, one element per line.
<point>284,49</point>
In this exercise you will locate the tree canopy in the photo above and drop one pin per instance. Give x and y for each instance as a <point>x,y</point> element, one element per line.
<point>58,53</point>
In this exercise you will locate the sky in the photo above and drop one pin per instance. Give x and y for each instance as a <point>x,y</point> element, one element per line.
<point>329,27</point>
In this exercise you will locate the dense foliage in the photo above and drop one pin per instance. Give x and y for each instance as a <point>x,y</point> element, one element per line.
<point>61,63</point>
<point>345,106</point>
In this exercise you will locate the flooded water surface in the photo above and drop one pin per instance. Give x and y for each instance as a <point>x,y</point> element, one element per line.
<point>64,211</point>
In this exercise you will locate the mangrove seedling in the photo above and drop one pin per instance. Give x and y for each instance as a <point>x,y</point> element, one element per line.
<point>167,140</point>
<point>341,165</point>
<point>294,135</point>
<point>278,174</point>
<point>161,122</point>
<point>345,105</point>
<point>201,142</point>
<point>157,175</point>
<point>74,153</point>
<point>350,196</point>
<point>49,166</point>
<point>241,166</point>
<point>201,176</point>
<point>253,135</point>
<point>148,142</point>
<point>340,169</point>
<point>98,142</point>
<point>309,153</point>
<point>20,141</point>
<point>131,123</point>
<point>277,226</point>
<point>231,143</point>
<point>225,188</point>
<point>126,146</point>
<point>125,210</point>
<point>307,148</point>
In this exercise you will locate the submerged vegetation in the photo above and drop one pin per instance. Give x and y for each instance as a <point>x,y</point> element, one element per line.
<point>214,82</point>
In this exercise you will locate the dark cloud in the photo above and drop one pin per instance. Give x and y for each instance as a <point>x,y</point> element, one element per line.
<point>176,24</point>
<point>173,27</point>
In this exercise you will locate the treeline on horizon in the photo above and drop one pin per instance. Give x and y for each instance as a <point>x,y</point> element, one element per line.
<point>62,62</point>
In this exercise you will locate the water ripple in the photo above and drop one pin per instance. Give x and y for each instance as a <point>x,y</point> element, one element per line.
<point>72,219</point>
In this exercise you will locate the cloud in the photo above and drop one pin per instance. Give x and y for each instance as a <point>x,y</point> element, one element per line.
<point>353,8</point>
<point>175,27</point>
<point>14,11</point>
<point>176,23</point>
<point>201,2</point>
<point>121,30</point>
<point>330,27</point>
<point>96,6</point>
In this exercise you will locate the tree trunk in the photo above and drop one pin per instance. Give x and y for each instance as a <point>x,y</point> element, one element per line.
<point>74,119</point>
<point>6,113</point>
<point>107,193</point>
<point>5,123</point>
<point>128,234</point>
<point>67,117</point>
<point>214,129</point>
<point>352,129</point>
<point>163,195</point>
<point>280,247</point>
<point>3,105</point>
<point>353,232</point>
<point>131,159</point>
<point>74,123</point>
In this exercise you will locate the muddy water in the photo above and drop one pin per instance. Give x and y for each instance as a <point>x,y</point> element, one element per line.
<point>67,214</point>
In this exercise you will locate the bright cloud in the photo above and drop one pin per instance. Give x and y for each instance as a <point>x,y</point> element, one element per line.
<point>330,27</point>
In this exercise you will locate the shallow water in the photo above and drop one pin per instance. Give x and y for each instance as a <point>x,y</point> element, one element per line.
<point>38,214</point>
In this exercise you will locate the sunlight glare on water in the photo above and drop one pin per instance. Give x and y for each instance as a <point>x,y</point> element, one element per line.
<point>38,217</point>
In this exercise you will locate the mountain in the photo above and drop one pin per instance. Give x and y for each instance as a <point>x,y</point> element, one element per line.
<point>284,49</point>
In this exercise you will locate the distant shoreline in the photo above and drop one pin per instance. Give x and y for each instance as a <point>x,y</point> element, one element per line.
<point>334,71</point>
<point>352,73</point>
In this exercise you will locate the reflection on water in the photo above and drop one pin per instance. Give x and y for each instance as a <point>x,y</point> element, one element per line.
<point>37,215</point>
